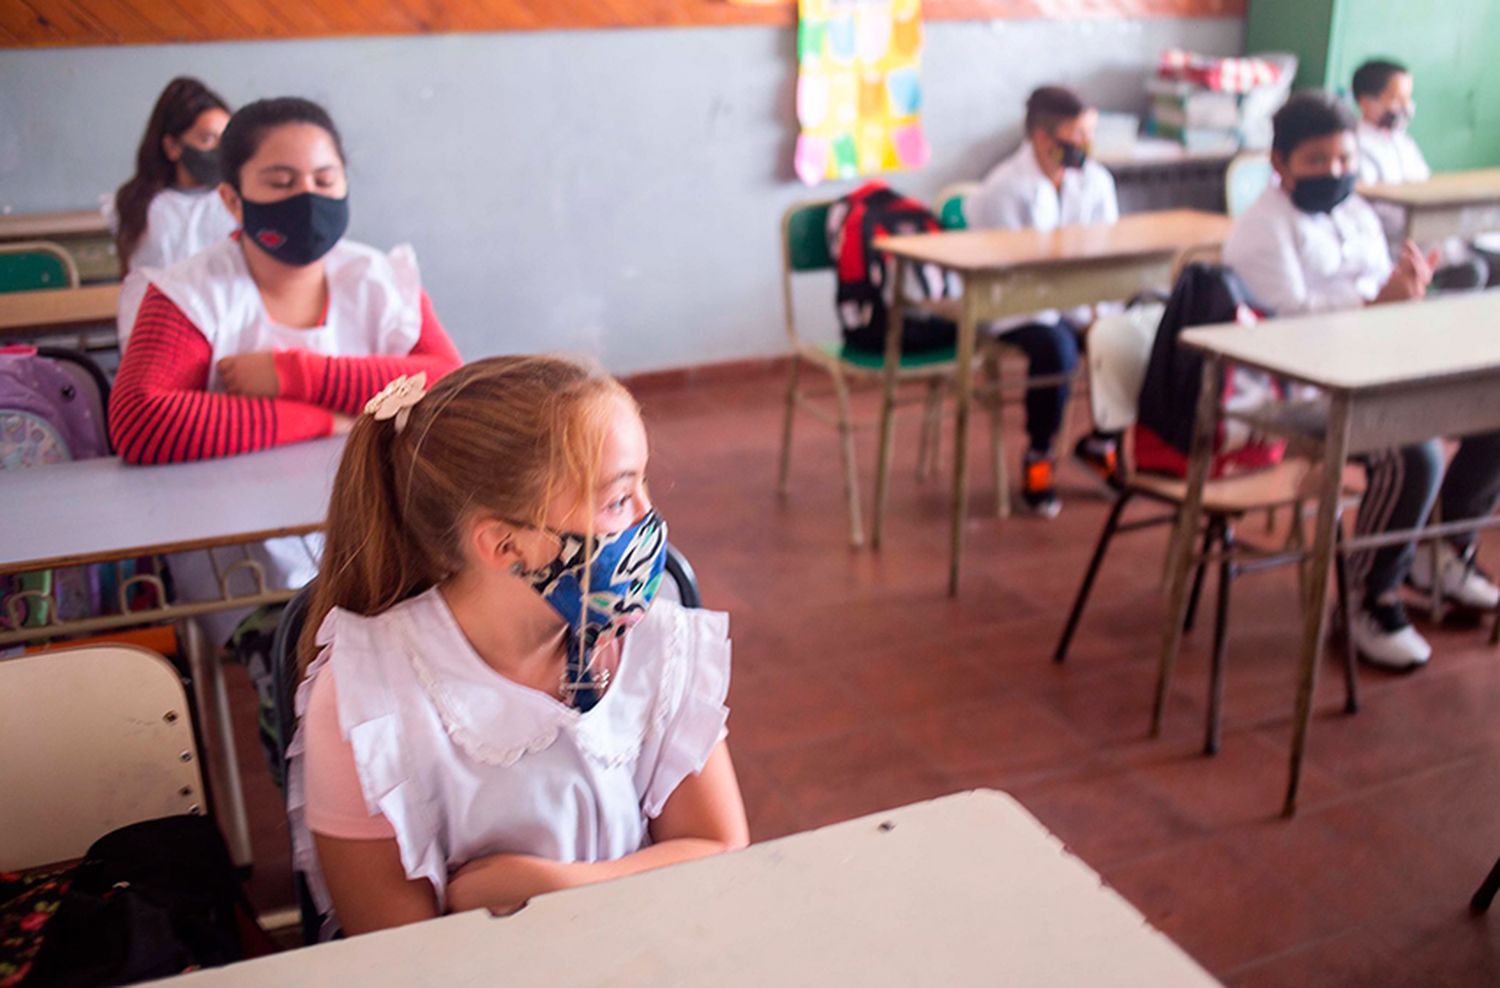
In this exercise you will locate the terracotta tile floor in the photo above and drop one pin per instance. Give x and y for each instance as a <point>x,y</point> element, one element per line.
<point>860,686</point>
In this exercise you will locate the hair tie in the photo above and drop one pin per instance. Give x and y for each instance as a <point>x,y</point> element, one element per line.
<point>396,399</point>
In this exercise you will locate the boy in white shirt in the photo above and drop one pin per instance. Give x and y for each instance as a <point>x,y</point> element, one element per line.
<point>1310,244</point>
<point>1389,156</point>
<point>1050,181</point>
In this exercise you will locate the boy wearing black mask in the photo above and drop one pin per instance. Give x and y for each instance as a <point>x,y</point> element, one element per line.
<point>1050,181</point>
<point>1389,156</point>
<point>1310,244</point>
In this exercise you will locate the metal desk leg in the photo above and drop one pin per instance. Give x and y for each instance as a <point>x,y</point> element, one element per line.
<point>218,735</point>
<point>894,326</point>
<point>1314,604</point>
<point>1185,535</point>
<point>968,328</point>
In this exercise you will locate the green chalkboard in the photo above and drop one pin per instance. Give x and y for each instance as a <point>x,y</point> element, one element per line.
<point>1451,46</point>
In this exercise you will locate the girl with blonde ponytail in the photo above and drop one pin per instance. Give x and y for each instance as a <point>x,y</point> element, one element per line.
<point>477,727</point>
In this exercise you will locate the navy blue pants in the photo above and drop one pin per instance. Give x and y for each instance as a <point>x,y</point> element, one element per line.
<point>1050,348</point>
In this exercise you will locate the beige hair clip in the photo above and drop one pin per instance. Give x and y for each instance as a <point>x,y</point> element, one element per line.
<point>396,399</point>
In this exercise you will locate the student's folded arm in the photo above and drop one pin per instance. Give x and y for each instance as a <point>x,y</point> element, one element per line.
<point>704,816</point>
<point>369,886</point>
<point>160,410</point>
<point>1266,259</point>
<point>344,384</point>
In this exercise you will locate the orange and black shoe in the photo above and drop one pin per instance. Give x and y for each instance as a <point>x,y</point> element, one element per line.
<point>1101,455</point>
<point>1039,487</point>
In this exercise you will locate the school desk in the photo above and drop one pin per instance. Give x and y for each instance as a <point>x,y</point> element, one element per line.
<point>1014,272</point>
<point>53,311</point>
<point>83,233</point>
<point>965,890</point>
<point>1456,204</point>
<point>1390,375</point>
<point>101,511</point>
<point>1155,174</point>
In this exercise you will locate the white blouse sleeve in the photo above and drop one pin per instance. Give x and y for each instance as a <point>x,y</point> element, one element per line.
<point>690,713</point>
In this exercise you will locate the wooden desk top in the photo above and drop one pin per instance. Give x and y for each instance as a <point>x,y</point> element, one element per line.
<point>59,307</point>
<point>1378,346</point>
<point>964,890</point>
<point>987,250</point>
<point>1155,152</point>
<point>1450,189</point>
<point>95,510</point>
<point>43,226</point>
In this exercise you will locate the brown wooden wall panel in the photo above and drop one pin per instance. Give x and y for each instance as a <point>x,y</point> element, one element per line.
<point>46,23</point>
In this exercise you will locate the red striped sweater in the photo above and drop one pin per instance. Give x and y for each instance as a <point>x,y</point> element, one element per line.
<point>161,412</point>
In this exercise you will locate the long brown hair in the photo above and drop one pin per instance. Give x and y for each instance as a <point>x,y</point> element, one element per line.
<point>176,110</point>
<point>501,436</point>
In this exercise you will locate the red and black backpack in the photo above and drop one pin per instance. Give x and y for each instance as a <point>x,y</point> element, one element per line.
<point>854,223</point>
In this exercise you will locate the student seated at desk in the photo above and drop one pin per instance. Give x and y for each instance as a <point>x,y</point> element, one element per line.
<point>1050,181</point>
<point>1389,156</point>
<point>471,736</point>
<point>1311,244</point>
<point>170,209</point>
<point>279,334</point>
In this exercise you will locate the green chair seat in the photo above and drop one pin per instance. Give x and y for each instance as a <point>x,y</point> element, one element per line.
<point>875,361</point>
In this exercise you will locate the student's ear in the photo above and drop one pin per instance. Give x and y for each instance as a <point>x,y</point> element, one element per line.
<point>172,148</point>
<point>231,200</point>
<point>1282,167</point>
<point>491,543</point>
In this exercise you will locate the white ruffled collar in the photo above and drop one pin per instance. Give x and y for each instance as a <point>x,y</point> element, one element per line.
<point>495,720</point>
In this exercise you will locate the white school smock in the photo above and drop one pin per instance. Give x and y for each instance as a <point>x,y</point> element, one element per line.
<point>1018,195</point>
<point>1389,157</point>
<point>1296,262</point>
<point>179,224</point>
<point>463,762</point>
<point>374,309</point>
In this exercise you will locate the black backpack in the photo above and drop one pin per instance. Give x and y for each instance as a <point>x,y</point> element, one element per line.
<point>149,900</point>
<point>1205,295</point>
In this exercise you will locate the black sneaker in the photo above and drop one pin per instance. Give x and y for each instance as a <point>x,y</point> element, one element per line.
<point>1102,457</point>
<point>1038,486</point>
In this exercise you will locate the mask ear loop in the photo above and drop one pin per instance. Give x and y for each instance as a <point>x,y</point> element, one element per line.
<point>579,681</point>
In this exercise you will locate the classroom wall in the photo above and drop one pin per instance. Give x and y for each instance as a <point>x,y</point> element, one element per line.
<point>616,192</point>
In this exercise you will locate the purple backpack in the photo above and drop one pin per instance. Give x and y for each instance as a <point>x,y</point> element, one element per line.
<point>51,411</point>
<point>47,413</point>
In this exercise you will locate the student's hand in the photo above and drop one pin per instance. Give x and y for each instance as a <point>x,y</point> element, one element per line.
<point>250,374</point>
<point>503,883</point>
<point>1411,276</point>
<point>341,424</point>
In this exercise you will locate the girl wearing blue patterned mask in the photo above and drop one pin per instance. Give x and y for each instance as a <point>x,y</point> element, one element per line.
<point>487,609</point>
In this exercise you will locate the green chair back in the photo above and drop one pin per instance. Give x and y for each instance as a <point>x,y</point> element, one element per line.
<point>951,213</point>
<point>807,238</point>
<point>34,267</point>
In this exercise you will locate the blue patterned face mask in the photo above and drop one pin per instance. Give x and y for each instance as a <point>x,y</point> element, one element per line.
<point>624,572</point>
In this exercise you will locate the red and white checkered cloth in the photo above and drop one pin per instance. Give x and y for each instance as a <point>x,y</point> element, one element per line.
<point>1225,75</point>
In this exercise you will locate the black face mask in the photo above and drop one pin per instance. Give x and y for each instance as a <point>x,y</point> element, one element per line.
<point>1073,155</point>
<point>1394,120</point>
<point>202,165</point>
<point>299,230</point>
<point>1322,193</point>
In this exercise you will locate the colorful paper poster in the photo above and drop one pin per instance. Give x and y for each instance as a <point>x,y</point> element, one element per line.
<point>859,88</point>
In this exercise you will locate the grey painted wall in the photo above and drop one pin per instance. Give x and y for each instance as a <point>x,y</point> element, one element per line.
<point>611,192</point>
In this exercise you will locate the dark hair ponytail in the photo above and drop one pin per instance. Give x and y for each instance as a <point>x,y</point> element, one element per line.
<point>249,126</point>
<point>177,108</point>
